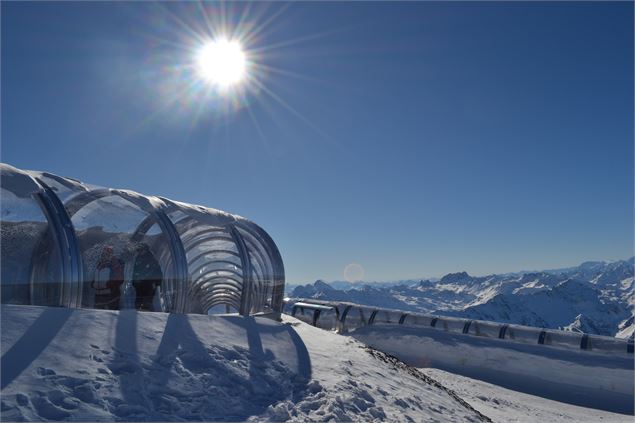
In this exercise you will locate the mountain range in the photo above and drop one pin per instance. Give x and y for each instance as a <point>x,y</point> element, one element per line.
<point>594,297</point>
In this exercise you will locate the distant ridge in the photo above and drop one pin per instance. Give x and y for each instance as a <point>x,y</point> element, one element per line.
<point>594,297</point>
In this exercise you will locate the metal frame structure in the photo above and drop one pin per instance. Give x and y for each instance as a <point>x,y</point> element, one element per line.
<point>206,257</point>
<point>333,315</point>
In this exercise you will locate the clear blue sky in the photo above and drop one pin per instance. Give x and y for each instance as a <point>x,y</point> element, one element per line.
<point>412,138</point>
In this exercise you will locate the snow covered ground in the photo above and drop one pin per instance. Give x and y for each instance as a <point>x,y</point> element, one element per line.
<point>87,365</point>
<point>505,405</point>
<point>595,380</point>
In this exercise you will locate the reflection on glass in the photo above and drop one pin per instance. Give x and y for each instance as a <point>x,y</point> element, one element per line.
<point>123,250</point>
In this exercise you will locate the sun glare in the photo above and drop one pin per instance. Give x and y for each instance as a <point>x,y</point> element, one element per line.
<point>215,61</point>
<point>222,63</point>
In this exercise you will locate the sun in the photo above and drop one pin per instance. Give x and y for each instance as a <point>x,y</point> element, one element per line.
<point>222,63</point>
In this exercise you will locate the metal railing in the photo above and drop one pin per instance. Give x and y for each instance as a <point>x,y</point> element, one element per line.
<point>346,317</point>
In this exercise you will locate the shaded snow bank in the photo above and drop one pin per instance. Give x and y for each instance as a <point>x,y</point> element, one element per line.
<point>504,405</point>
<point>87,365</point>
<point>597,380</point>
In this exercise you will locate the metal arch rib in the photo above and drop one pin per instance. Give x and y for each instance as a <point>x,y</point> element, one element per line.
<point>158,215</point>
<point>196,273</point>
<point>227,301</point>
<point>192,233</point>
<point>166,225</point>
<point>175,244</point>
<point>75,203</point>
<point>180,260</point>
<point>502,331</point>
<point>71,258</point>
<point>144,227</point>
<point>371,320</point>
<point>275,259</point>
<point>208,252</point>
<point>203,238</point>
<point>316,316</point>
<point>203,276</point>
<point>245,301</point>
<point>225,283</point>
<point>342,321</point>
<point>231,297</point>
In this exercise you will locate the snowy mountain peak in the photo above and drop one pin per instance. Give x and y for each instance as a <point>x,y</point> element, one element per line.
<point>576,287</point>
<point>592,265</point>
<point>455,277</point>
<point>320,285</point>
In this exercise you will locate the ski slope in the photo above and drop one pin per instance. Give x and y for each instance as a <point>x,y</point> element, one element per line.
<point>88,365</point>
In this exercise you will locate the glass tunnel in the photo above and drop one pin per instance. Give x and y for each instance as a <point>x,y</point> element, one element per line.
<point>70,244</point>
<point>347,317</point>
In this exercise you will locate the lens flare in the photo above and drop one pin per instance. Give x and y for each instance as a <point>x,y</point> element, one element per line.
<point>354,272</point>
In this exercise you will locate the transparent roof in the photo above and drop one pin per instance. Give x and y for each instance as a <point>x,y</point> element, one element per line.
<point>117,249</point>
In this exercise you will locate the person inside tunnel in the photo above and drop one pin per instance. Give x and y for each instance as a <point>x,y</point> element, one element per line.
<point>147,277</point>
<point>70,244</point>
<point>109,276</point>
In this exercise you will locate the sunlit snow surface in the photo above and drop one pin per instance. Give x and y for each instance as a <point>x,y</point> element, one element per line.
<point>87,365</point>
<point>62,364</point>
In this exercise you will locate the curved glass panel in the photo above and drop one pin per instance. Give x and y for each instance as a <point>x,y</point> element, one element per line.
<point>214,264</point>
<point>418,319</point>
<point>64,188</point>
<point>563,339</point>
<point>356,317</point>
<point>328,319</point>
<point>306,315</point>
<point>263,278</point>
<point>607,344</point>
<point>481,328</point>
<point>124,262</point>
<point>287,306</point>
<point>69,243</point>
<point>450,324</point>
<point>387,317</point>
<point>524,334</point>
<point>29,252</point>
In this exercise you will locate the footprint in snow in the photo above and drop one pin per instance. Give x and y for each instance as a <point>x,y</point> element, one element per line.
<point>43,371</point>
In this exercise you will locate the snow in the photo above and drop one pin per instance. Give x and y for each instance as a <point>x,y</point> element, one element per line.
<point>88,365</point>
<point>505,405</point>
<point>95,365</point>
<point>584,378</point>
